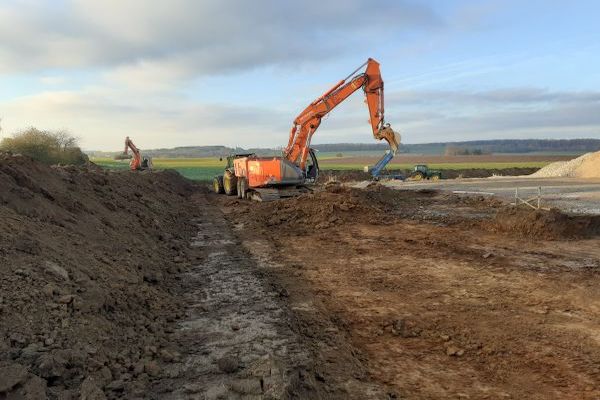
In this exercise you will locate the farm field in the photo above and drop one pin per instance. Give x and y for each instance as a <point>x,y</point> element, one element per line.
<point>203,169</point>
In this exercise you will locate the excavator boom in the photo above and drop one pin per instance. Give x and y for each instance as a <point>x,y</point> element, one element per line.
<point>307,122</point>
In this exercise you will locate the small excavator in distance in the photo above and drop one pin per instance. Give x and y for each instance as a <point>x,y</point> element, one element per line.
<point>137,162</point>
<point>270,178</point>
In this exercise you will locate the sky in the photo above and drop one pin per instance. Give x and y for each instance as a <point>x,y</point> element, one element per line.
<point>237,72</point>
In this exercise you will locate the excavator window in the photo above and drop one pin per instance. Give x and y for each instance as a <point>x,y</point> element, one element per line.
<point>312,166</point>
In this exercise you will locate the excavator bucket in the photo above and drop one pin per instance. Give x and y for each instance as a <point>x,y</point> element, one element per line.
<point>390,136</point>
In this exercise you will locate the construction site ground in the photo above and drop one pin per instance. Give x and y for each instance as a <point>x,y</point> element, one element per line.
<point>575,195</point>
<point>145,286</point>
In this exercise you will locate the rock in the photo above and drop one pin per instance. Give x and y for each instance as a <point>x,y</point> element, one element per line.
<point>404,328</point>
<point>35,388</point>
<point>166,355</point>
<point>50,289</point>
<point>246,386</point>
<point>51,366</point>
<point>138,368</point>
<point>116,386</point>
<point>66,299</point>
<point>90,390</point>
<point>56,270</point>
<point>11,376</point>
<point>228,364</point>
<point>454,351</point>
<point>488,255</point>
<point>152,368</point>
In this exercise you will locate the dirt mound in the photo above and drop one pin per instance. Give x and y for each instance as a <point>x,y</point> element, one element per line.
<point>585,166</point>
<point>541,224</point>
<point>87,260</point>
<point>337,205</point>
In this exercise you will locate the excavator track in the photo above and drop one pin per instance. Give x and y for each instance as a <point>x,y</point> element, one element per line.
<point>272,194</point>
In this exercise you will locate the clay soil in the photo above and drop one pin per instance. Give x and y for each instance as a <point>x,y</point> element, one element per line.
<point>425,295</point>
<point>128,285</point>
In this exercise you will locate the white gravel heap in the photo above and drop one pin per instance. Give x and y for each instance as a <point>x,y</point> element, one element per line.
<point>585,166</point>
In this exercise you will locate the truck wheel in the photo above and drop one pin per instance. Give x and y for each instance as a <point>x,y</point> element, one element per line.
<point>229,184</point>
<point>417,176</point>
<point>218,184</point>
<point>435,177</point>
<point>243,190</point>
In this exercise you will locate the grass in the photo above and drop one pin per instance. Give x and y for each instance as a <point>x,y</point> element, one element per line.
<point>204,169</point>
<point>198,169</point>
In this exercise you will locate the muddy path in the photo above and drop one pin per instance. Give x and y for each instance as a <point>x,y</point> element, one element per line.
<point>240,338</point>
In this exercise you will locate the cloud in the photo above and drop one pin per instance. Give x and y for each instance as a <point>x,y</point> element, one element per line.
<point>202,37</point>
<point>102,118</point>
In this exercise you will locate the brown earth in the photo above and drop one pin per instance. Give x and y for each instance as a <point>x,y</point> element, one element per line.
<point>89,264</point>
<point>141,285</point>
<point>422,295</point>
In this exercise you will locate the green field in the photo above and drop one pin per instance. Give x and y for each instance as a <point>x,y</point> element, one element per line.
<point>204,169</point>
<point>199,169</point>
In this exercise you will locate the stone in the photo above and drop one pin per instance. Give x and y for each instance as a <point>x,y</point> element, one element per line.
<point>56,270</point>
<point>66,299</point>
<point>228,364</point>
<point>152,368</point>
<point>454,351</point>
<point>51,366</point>
<point>116,386</point>
<point>11,376</point>
<point>90,391</point>
<point>35,388</point>
<point>246,386</point>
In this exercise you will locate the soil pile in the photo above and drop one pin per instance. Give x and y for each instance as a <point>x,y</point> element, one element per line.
<point>541,224</point>
<point>337,205</point>
<point>585,166</point>
<point>87,259</point>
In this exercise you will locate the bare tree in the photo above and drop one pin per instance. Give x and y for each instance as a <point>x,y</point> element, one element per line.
<point>65,140</point>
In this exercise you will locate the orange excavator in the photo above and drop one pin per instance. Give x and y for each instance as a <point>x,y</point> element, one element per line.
<point>269,178</point>
<point>137,161</point>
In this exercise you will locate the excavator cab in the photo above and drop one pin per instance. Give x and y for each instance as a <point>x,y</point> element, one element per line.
<point>312,167</point>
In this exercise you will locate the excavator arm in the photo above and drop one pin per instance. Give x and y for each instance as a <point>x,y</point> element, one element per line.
<point>136,160</point>
<point>307,122</point>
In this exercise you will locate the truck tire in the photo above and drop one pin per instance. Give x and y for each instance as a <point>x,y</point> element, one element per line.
<point>239,192</point>
<point>417,176</point>
<point>243,190</point>
<point>218,184</point>
<point>229,184</point>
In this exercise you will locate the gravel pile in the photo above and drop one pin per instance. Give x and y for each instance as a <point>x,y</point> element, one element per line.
<point>585,166</point>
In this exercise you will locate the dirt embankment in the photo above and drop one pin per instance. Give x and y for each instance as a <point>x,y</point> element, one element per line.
<point>88,261</point>
<point>541,224</point>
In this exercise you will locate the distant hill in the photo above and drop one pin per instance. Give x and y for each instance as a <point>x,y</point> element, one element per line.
<point>576,146</point>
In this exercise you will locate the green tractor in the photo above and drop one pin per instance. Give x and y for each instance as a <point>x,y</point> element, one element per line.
<point>422,171</point>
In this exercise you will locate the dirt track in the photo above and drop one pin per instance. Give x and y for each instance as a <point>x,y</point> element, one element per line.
<point>436,307</point>
<point>124,285</point>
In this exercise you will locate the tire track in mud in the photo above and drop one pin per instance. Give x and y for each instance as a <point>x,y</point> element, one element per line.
<point>235,339</point>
